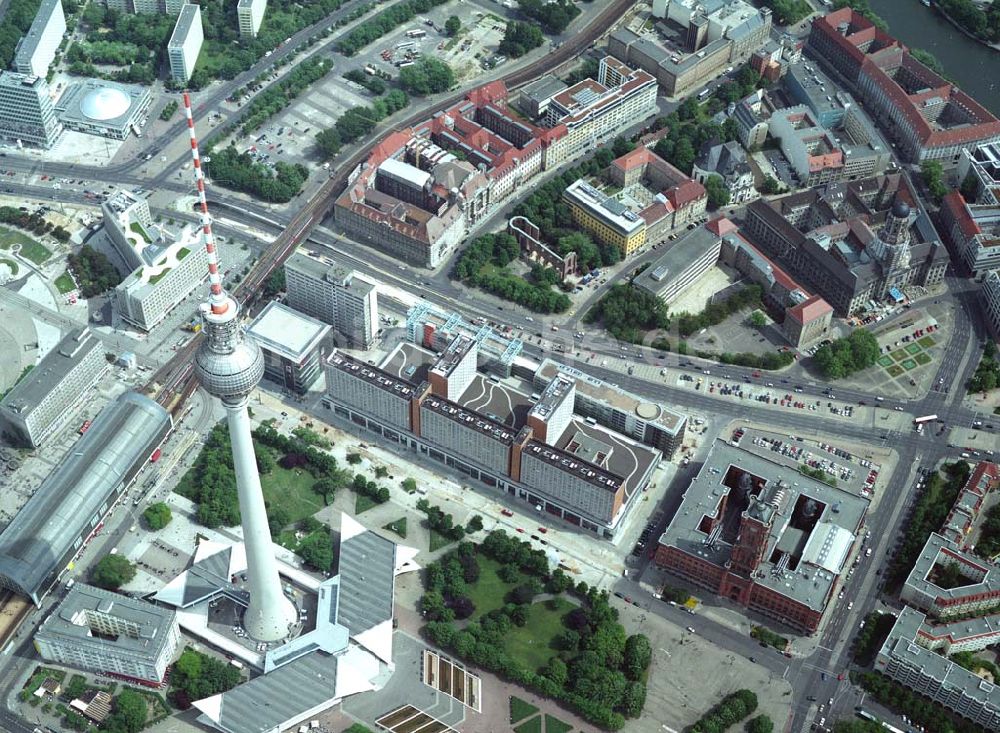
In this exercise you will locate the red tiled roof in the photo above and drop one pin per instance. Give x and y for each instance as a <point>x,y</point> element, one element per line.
<point>721,226</point>
<point>639,156</point>
<point>495,91</point>
<point>809,310</point>
<point>955,205</point>
<point>685,193</point>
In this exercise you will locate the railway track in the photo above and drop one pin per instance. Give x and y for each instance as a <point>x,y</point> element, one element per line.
<point>174,382</point>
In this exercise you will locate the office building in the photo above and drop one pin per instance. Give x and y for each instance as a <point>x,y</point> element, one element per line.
<point>751,116</point>
<point>185,43</point>
<point>693,41</point>
<point>672,200</point>
<point>167,265</point>
<point>817,155</point>
<point>27,114</point>
<point>752,529</point>
<point>291,343</point>
<point>773,59</point>
<point>909,656</point>
<point>42,401</point>
<point>606,219</point>
<point>66,510</point>
<point>531,448</point>
<point>807,322</point>
<point>334,294</point>
<point>729,162</point>
<point>850,242</point>
<point>249,14</point>
<point>683,262</point>
<point>990,297</point>
<point>37,49</point>
<point>973,227</point>
<point>595,111</point>
<point>111,634</point>
<point>924,115</point>
<point>104,108</point>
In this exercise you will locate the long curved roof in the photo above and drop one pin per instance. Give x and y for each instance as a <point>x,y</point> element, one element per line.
<point>37,540</point>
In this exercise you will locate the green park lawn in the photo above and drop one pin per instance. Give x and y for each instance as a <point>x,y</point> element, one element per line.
<point>64,283</point>
<point>908,364</point>
<point>399,527</point>
<point>35,252</point>
<point>11,264</point>
<point>363,503</point>
<point>9,237</point>
<point>922,358</point>
<point>534,725</point>
<point>554,725</point>
<point>899,354</point>
<point>438,541</point>
<point>895,370</point>
<point>926,341</point>
<point>489,591</point>
<point>912,349</point>
<point>885,361</point>
<point>519,709</point>
<point>293,489</point>
<point>531,644</point>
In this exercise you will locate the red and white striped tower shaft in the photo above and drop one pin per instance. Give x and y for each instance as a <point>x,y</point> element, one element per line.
<point>217,299</point>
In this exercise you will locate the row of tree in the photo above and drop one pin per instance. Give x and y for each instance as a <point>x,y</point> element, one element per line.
<point>374,84</point>
<point>357,122</point>
<point>93,271</point>
<point>929,512</point>
<point>554,16</point>
<point>987,374</point>
<point>598,671</point>
<point>281,94</point>
<point>385,22</point>
<point>845,356</point>
<point>921,710</point>
<point>731,710</point>
<point>627,312</point>
<point>33,222</point>
<point>440,521</point>
<point>982,21</point>
<point>240,172</point>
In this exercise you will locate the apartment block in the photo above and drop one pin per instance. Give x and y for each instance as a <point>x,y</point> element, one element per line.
<point>37,49</point>
<point>167,265</point>
<point>606,219</point>
<point>185,43</point>
<point>44,398</point>
<point>250,13</point>
<point>26,110</point>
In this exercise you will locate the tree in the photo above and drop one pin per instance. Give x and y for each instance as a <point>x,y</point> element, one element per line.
<point>427,76</point>
<point>157,515</point>
<point>275,283</point>
<point>278,518</point>
<point>519,38</point>
<point>265,461</point>
<point>328,141</point>
<point>112,572</point>
<point>409,485</point>
<point>128,713</point>
<point>638,654</point>
<point>453,25</point>
<point>760,724</point>
<point>770,186</point>
<point>718,194</point>
<point>317,550</point>
<point>933,176</point>
<point>758,319</point>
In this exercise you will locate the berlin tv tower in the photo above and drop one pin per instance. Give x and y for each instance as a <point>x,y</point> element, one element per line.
<point>230,367</point>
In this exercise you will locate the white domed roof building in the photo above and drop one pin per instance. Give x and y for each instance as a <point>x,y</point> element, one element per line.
<point>104,108</point>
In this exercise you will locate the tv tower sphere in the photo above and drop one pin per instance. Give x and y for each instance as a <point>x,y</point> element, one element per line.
<point>230,367</point>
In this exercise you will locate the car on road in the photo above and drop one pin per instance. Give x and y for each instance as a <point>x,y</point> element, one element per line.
<point>691,630</point>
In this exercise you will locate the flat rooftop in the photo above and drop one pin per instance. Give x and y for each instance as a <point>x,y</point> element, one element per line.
<point>144,627</point>
<point>29,44</point>
<point>497,401</point>
<point>185,21</point>
<point>812,525</point>
<point>286,332</point>
<point>409,363</point>
<point>600,391</point>
<point>383,380</point>
<point>453,355</point>
<point>610,211</point>
<point>470,419</point>
<point>679,256</point>
<point>50,372</point>
<point>626,461</point>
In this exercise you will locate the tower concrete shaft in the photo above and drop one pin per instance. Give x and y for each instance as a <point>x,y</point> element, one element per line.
<point>230,367</point>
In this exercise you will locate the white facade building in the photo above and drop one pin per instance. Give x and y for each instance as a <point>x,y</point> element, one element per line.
<point>37,49</point>
<point>250,13</point>
<point>26,111</point>
<point>185,42</point>
<point>166,266</point>
<point>335,295</point>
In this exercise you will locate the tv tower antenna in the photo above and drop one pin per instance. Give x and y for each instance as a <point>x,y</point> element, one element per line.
<point>230,366</point>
